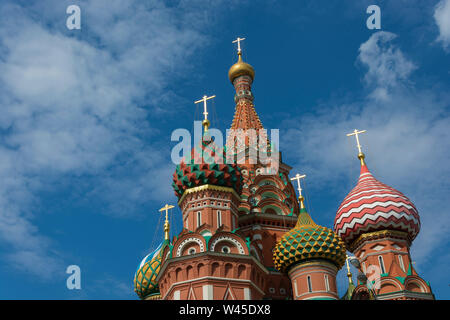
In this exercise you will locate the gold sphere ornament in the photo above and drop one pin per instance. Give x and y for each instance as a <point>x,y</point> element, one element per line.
<point>206,124</point>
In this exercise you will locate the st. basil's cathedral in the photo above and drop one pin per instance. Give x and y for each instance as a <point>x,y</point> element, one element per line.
<point>246,235</point>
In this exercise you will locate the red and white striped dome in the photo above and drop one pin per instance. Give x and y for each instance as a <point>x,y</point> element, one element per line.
<point>373,206</point>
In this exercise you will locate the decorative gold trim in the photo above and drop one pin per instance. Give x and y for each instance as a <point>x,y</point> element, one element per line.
<point>241,68</point>
<point>156,296</point>
<point>207,187</point>
<point>377,234</point>
<point>361,157</point>
<point>206,124</point>
<point>166,223</point>
<point>301,199</point>
<point>349,274</point>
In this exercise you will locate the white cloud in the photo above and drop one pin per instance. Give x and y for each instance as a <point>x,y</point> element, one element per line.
<point>442,19</point>
<point>407,144</point>
<point>387,67</point>
<point>71,110</point>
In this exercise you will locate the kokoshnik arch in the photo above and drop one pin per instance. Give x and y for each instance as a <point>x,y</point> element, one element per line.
<point>245,235</point>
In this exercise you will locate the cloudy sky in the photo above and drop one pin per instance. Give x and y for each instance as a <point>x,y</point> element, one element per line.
<point>87,115</point>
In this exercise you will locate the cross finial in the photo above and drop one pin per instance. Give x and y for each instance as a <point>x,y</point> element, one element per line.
<point>238,40</point>
<point>347,257</point>
<point>166,223</point>
<point>299,187</point>
<point>205,111</point>
<point>355,133</point>
<point>360,154</point>
<point>349,274</point>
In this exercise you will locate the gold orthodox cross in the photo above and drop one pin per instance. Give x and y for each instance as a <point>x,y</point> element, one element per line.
<point>347,257</point>
<point>166,223</point>
<point>355,133</point>
<point>349,274</point>
<point>205,110</point>
<point>298,177</point>
<point>238,40</point>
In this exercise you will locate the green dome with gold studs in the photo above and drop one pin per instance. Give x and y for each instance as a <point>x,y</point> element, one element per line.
<point>306,241</point>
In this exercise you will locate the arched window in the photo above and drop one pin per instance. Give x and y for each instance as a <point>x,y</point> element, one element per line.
<point>200,270</point>
<point>219,218</point>
<point>414,287</point>
<point>215,269</point>
<point>228,270</point>
<point>199,218</point>
<point>309,284</point>
<point>327,284</point>
<point>189,272</point>
<point>380,260</point>
<point>241,270</point>
<point>400,260</point>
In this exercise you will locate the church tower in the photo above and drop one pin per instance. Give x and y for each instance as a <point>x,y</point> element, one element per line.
<point>268,206</point>
<point>234,210</point>
<point>210,259</point>
<point>311,255</point>
<point>378,224</point>
<point>245,236</point>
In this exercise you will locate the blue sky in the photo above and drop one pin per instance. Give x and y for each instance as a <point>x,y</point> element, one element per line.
<point>86,119</point>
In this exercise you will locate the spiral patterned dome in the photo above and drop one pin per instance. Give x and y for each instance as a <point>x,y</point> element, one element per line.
<point>145,277</point>
<point>373,206</point>
<point>206,165</point>
<point>306,241</point>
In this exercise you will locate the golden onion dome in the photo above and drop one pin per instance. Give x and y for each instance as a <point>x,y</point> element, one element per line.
<point>241,68</point>
<point>307,240</point>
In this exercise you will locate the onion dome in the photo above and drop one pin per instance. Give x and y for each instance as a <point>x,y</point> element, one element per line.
<point>145,283</point>
<point>373,206</point>
<point>206,165</point>
<point>241,68</point>
<point>308,240</point>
